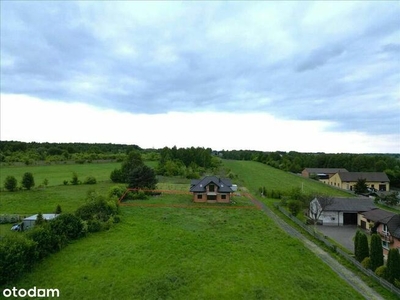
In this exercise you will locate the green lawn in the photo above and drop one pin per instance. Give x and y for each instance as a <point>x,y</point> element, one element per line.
<point>177,253</point>
<point>174,252</point>
<point>56,174</point>
<point>254,175</point>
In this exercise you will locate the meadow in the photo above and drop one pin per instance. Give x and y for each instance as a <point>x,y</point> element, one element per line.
<point>180,253</point>
<point>254,175</point>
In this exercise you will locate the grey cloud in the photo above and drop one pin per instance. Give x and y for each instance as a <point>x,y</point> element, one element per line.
<point>319,58</point>
<point>178,62</point>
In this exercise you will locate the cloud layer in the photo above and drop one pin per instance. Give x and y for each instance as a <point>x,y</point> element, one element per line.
<point>335,63</point>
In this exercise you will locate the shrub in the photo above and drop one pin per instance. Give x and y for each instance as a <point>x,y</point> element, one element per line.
<point>361,249</point>
<point>67,226</point>
<point>75,180</point>
<point>28,181</point>
<point>381,271</point>
<point>94,225</point>
<point>294,207</point>
<point>65,182</point>
<point>366,263</point>
<point>10,183</point>
<point>17,255</point>
<point>90,180</point>
<point>116,191</point>
<point>46,241</point>
<point>117,176</point>
<point>98,208</point>
<point>9,219</point>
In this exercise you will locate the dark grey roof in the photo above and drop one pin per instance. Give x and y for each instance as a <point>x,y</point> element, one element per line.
<point>351,205</point>
<point>378,215</point>
<point>369,176</point>
<point>325,170</point>
<point>394,226</point>
<point>224,184</point>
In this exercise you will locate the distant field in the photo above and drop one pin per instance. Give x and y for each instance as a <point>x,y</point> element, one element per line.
<point>176,253</point>
<point>56,174</point>
<point>254,175</point>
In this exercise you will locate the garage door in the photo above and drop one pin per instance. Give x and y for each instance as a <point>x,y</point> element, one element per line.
<point>349,219</point>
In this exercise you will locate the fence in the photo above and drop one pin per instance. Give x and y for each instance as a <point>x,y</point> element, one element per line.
<point>349,258</point>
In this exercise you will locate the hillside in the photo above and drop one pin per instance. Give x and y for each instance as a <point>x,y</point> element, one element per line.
<point>254,175</point>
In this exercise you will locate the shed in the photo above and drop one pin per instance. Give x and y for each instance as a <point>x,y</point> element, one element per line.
<point>30,221</point>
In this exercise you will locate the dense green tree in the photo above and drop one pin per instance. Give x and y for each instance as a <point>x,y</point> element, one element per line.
<point>362,249</point>
<point>143,177</point>
<point>39,220</point>
<point>376,252</point>
<point>10,183</point>
<point>58,210</point>
<point>28,181</point>
<point>361,186</point>
<point>393,266</point>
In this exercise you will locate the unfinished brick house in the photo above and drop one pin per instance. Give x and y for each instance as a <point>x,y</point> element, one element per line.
<point>211,189</point>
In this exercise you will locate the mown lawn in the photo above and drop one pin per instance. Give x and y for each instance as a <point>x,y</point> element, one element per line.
<point>255,175</point>
<point>178,253</point>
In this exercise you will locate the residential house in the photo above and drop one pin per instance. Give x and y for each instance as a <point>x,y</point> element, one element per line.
<point>347,180</point>
<point>323,174</point>
<point>211,189</point>
<point>386,224</point>
<point>339,211</point>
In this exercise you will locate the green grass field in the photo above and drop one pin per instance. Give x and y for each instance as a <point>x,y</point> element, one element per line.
<point>254,175</point>
<point>176,253</point>
<point>179,253</point>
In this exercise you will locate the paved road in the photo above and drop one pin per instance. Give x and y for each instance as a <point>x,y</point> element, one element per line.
<point>343,272</point>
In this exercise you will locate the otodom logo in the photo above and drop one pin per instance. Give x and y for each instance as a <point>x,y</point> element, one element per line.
<point>31,293</point>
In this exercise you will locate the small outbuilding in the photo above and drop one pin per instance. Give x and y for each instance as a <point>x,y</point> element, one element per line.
<point>29,222</point>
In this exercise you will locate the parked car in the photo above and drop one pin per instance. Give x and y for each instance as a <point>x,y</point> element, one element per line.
<point>16,227</point>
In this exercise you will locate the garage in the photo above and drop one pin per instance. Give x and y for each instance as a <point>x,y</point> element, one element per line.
<point>349,218</point>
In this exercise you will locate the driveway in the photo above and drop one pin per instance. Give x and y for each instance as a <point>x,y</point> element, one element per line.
<point>341,234</point>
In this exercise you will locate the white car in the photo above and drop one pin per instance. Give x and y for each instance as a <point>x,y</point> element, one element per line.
<point>16,227</point>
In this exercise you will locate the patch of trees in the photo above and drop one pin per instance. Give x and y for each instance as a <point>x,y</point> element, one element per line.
<point>372,257</point>
<point>20,252</point>
<point>30,153</point>
<point>135,173</point>
<point>296,162</point>
<point>11,183</point>
<point>187,162</point>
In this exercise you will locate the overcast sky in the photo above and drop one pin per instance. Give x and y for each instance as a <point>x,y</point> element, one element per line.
<point>302,76</point>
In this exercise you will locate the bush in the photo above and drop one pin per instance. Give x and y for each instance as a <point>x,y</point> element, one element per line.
<point>9,219</point>
<point>75,180</point>
<point>116,191</point>
<point>94,225</point>
<point>10,183</point>
<point>65,182</point>
<point>381,271</point>
<point>117,176</point>
<point>90,180</point>
<point>67,226</point>
<point>98,208</point>
<point>46,241</point>
<point>393,265</point>
<point>28,181</point>
<point>366,263</point>
<point>17,255</point>
<point>294,207</point>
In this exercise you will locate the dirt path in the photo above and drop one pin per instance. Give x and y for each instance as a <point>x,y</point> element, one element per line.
<point>342,271</point>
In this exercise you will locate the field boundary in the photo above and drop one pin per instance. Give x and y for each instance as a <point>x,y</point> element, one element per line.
<point>177,192</point>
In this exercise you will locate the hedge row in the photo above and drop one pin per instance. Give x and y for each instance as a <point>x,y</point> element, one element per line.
<point>19,253</point>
